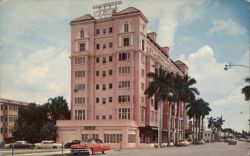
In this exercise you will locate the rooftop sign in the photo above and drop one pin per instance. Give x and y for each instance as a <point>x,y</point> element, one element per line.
<point>105,10</point>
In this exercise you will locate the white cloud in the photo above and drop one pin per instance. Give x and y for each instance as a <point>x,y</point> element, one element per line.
<point>166,26</point>
<point>227,26</point>
<point>222,89</point>
<point>44,73</point>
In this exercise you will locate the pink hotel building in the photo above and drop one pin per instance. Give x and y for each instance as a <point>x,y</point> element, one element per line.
<point>110,58</point>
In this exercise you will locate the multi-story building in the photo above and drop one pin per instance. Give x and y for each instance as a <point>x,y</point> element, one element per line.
<point>110,59</point>
<point>8,116</point>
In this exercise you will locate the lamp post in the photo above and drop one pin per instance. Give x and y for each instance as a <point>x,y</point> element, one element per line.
<point>227,66</point>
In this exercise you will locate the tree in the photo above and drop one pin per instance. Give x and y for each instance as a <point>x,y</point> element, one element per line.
<point>37,122</point>
<point>216,125</point>
<point>161,86</point>
<point>57,108</point>
<point>30,120</point>
<point>211,124</point>
<point>48,131</point>
<point>246,90</point>
<point>205,109</point>
<point>185,93</point>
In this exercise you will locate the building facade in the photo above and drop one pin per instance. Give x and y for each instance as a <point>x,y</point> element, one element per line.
<point>110,59</point>
<point>8,116</point>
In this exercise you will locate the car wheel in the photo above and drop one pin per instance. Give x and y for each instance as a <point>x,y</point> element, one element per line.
<point>103,152</point>
<point>54,147</point>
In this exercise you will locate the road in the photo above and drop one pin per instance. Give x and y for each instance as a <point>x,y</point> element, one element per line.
<point>209,149</point>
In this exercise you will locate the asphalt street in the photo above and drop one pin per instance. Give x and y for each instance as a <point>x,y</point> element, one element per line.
<point>209,149</point>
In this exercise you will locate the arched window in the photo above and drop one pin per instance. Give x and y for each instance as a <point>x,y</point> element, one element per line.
<point>82,34</point>
<point>126,27</point>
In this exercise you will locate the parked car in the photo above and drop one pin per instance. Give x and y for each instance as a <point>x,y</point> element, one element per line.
<point>183,143</point>
<point>242,139</point>
<point>68,145</point>
<point>248,140</point>
<point>232,142</point>
<point>91,146</point>
<point>21,144</point>
<point>48,144</point>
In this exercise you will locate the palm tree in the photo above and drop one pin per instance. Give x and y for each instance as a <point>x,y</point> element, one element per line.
<point>205,109</point>
<point>57,108</point>
<point>211,124</point>
<point>218,125</point>
<point>160,87</point>
<point>246,90</point>
<point>186,94</point>
<point>192,109</point>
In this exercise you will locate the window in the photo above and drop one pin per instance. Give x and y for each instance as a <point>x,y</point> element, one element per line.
<point>110,58</point>
<point>104,87</point>
<point>142,72</point>
<point>80,87</point>
<point>97,117</point>
<point>142,113</point>
<point>110,86</point>
<point>110,44</point>
<point>126,41</point>
<point>123,98</point>
<point>104,46</point>
<point>97,46</point>
<point>131,138</point>
<point>126,27</point>
<point>124,113</point>
<point>104,60</point>
<point>124,84</point>
<point>110,72</point>
<point>97,60</point>
<point>90,136</point>
<point>97,73</point>
<point>152,116</point>
<point>79,114</point>
<point>79,74</point>
<point>97,100</point>
<point>110,117</point>
<point>143,59</point>
<point>79,100</point>
<point>82,46</point>
<point>82,34</point>
<point>110,99</point>
<point>124,56</point>
<point>80,60</point>
<point>104,117</point>
<point>97,31</point>
<point>103,73</point>
<point>124,70</point>
<point>97,87</point>
<point>103,100</point>
<point>104,31</point>
<point>142,45</point>
<point>142,86</point>
<point>112,138</point>
<point>110,29</point>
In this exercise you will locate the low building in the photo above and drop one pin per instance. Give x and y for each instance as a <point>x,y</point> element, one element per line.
<point>8,116</point>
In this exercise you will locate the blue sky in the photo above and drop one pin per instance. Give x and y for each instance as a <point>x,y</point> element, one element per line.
<point>205,34</point>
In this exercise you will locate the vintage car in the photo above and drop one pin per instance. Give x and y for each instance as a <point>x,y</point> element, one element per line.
<point>21,144</point>
<point>232,142</point>
<point>91,146</point>
<point>48,144</point>
<point>68,144</point>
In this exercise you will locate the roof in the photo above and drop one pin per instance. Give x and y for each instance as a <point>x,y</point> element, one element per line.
<point>128,10</point>
<point>83,18</point>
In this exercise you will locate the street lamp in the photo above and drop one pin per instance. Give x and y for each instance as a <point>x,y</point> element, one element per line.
<point>227,66</point>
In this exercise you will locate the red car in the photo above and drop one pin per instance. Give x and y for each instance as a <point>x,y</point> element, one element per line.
<point>91,146</point>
